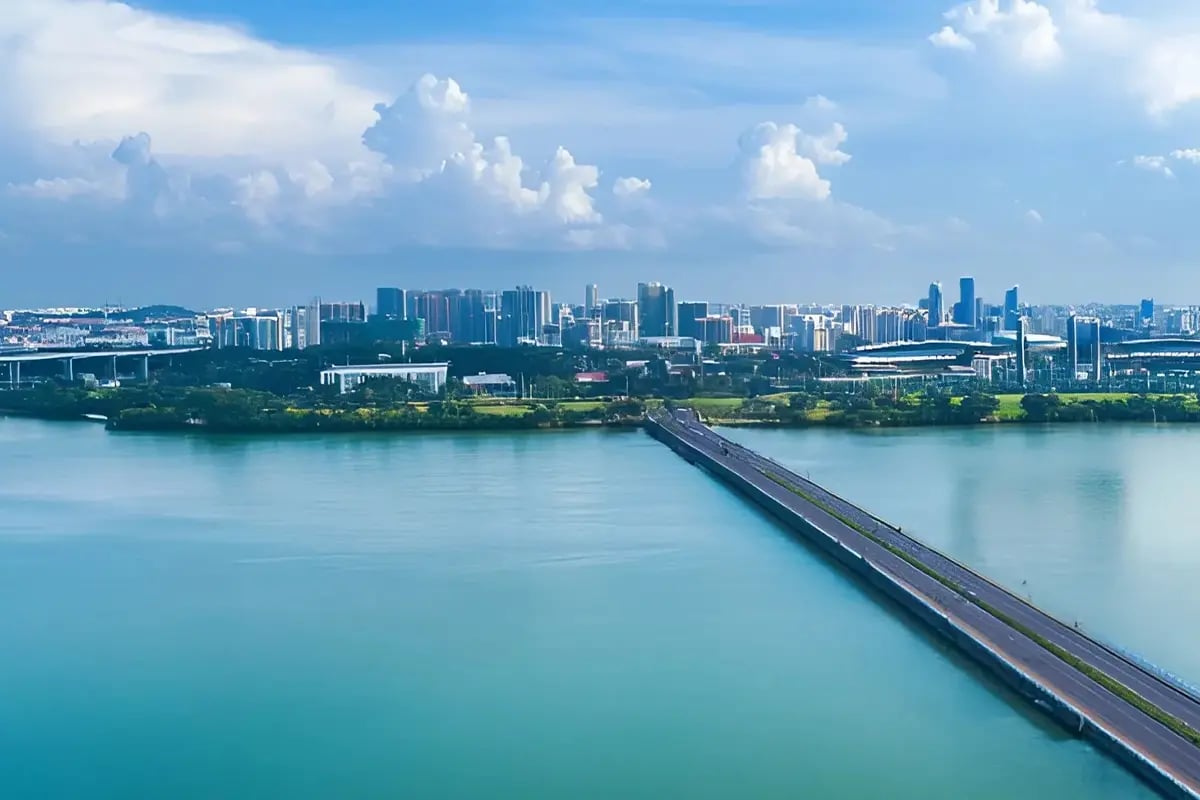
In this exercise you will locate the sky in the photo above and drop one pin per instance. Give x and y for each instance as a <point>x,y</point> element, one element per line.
<point>260,152</point>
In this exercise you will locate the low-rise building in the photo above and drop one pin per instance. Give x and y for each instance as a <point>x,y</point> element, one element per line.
<point>430,377</point>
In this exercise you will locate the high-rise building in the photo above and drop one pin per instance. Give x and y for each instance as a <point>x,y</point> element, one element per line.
<point>617,310</point>
<point>391,303</point>
<point>980,312</point>
<point>1146,313</point>
<point>889,326</point>
<point>297,323</point>
<point>343,312</point>
<point>764,318</point>
<point>688,318</point>
<point>1083,337</point>
<point>964,311</point>
<point>591,298</point>
<point>434,308</point>
<point>716,329</point>
<point>1012,309</point>
<point>937,312</point>
<point>1021,369</point>
<point>524,315</point>
<point>467,317</point>
<point>656,310</point>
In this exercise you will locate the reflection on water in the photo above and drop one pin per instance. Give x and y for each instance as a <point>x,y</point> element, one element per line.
<point>1092,522</point>
<point>460,616</point>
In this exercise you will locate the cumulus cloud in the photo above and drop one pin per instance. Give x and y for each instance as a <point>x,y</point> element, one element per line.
<point>1153,164</point>
<point>1189,154</point>
<point>628,187</point>
<point>247,141</point>
<point>780,161</point>
<point>95,70</point>
<point>425,137</point>
<point>950,39</point>
<point>1033,216</point>
<point>1153,58</point>
<point>1023,29</point>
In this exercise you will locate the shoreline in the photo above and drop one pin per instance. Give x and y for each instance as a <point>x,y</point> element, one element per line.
<point>503,424</point>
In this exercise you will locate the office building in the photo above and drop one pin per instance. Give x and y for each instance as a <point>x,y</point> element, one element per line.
<point>1083,346</point>
<point>391,303</point>
<point>1146,313</point>
<point>621,311</point>
<point>591,298</point>
<point>1012,309</point>
<point>937,313</point>
<point>343,312</point>
<point>1021,367</point>
<point>524,315</point>
<point>889,326</point>
<point>429,377</point>
<point>656,310</point>
<point>297,328</point>
<point>716,329</point>
<point>688,316</point>
<point>468,323</point>
<point>964,309</point>
<point>763,318</point>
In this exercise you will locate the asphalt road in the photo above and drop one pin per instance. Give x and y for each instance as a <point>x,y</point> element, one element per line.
<point>1172,753</point>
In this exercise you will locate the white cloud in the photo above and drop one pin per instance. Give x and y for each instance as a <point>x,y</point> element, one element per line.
<point>1033,216</point>
<point>950,39</point>
<point>1023,30</point>
<point>1153,164</point>
<point>95,70</point>
<point>779,161</point>
<point>257,142</point>
<point>628,187</point>
<point>1189,154</point>
<point>1155,59</point>
<point>824,149</point>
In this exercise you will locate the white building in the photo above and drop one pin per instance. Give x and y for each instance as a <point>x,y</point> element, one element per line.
<point>430,377</point>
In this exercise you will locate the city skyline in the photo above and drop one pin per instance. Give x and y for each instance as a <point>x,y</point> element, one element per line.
<point>861,148</point>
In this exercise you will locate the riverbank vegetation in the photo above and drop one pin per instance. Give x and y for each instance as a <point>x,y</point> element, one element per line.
<point>391,405</point>
<point>933,407</point>
<point>241,390</point>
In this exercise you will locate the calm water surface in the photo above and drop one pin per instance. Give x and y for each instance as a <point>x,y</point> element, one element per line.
<point>1097,524</point>
<point>538,616</point>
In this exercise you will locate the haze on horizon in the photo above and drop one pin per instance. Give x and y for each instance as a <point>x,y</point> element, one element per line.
<point>207,151</point>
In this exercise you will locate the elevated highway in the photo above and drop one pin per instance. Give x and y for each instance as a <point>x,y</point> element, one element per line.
<point>14,360</point>
<point>1149,723</point>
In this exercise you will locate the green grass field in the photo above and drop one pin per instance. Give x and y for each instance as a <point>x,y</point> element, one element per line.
<point>713,405</point>
<point>503,410</point>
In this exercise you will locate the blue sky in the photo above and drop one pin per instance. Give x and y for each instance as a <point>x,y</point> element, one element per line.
<point>747,150</point>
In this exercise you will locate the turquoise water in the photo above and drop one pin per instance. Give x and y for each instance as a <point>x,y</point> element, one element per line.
<point>462,616</point>
<point>1097,524</point>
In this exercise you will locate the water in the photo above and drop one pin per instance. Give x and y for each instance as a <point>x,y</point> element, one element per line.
<point>1096,524</point>
<point>463,616</point>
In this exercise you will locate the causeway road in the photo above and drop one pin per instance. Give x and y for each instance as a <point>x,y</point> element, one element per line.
<point>1171,754</point>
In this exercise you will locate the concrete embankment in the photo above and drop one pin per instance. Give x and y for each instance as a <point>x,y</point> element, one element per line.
<point>942,619</point>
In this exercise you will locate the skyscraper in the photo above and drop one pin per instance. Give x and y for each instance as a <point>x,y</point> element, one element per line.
<point>524,313</point>
<point>937,311</point>
<point>1083,336</point>
<point>1012,309</point>
<point>965,310</point>
<point>656,310</point>
<point>591,298</point>
<point>1146,313</point>
<point>391,303</point>
<point>1021,351</point>
<point>689,318</point>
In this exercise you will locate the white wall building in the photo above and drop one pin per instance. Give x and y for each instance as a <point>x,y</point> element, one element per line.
<point>430,377</point>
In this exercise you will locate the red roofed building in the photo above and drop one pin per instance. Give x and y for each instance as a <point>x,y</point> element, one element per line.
<point>591,377</point>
